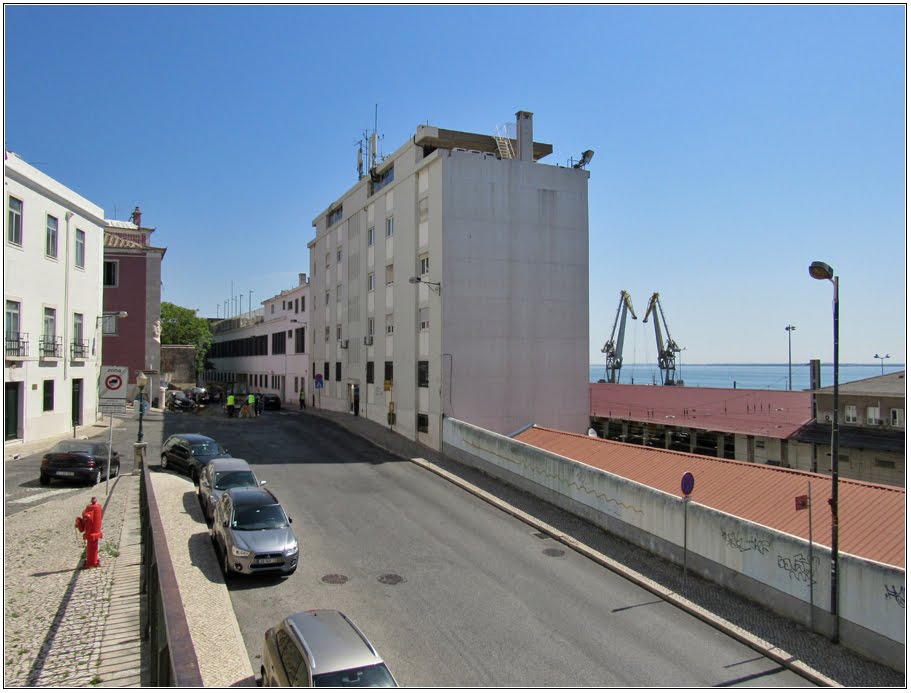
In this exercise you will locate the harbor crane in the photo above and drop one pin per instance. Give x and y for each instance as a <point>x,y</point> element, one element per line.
<point>667,351</point>
<point>612,350</point>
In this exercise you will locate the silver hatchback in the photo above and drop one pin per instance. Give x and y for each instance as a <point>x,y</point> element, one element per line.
<point>322,647</point>
<point>221,474</point>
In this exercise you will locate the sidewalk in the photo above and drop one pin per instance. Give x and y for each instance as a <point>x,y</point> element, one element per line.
<point>782,639</point>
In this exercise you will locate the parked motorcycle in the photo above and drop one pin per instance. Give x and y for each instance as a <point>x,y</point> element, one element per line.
<point>180,402</point>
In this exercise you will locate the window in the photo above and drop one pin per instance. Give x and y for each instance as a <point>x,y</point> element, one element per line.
<point>423,423</point>
<point>79,347</point>
<point>300,340</point>
<point>371,281</point>
<point>423,374</point>
<point>423,209</point>
<point>873,416</point>
<point>338,254</point>
<point>425,265</point>
<point>327,333</point>
<point>80,248</point>
<point>334,216</point>
<point>370,233</point>
<point>303,303</point>
<point>370,372</point>
<point>109,325</point>
<point>14,222</point>
<point>390,226</point>
<point>389,275</point>
<point>387,371</point>
<point>338,331</point>
<point>296,304</point>
<point>327,297</point>
<point>370,325</point>
<point>272,309</point>
<point>50,323</point>
<point>898,418</point>
<point>338,293</point>
<point>278,342</point>
<point>390,325</point>
<point>886,464</point>
<point>48,395</point>
<point>326,370</point>
<point>424,318</point>
<point>111,273</point>
<point>338,371</point>
<point>328,259</point>
<point>50,243</point>
<point>850,413</point>
<point>15,346</point>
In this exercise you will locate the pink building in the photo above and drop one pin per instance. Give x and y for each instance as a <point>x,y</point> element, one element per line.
<point>132,283</point>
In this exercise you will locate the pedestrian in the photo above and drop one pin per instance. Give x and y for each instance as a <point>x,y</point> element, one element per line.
<point>230,405</point>
<point>251,404</point>
<point>259,405</point>
<point>303,399</point>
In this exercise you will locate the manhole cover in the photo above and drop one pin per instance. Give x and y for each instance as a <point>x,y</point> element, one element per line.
<point>335,579</point>
<point>540,535</point>
<point>390,579</point>
<point>556,553</point>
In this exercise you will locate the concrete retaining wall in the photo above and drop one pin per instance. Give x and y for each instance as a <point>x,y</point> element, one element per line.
<point>763,564</point>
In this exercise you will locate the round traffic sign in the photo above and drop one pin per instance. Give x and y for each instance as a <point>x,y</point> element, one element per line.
<point>113,382</point>
<point>687,483</point>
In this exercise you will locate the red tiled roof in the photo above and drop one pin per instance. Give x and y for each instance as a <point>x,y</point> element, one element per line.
<point>769,413</point>
<point>871,516</point>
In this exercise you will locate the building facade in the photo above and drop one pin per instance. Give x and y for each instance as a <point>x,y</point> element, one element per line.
<point>453,280</point>
<point>132,283</point>
<point>265,351</point>
<point>52,264</point>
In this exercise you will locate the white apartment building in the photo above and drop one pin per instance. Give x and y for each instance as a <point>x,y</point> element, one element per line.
<point>52,284</point>
<point>453,281</point>
<point>266,351</point>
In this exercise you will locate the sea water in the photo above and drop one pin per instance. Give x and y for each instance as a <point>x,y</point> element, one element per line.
<point>754,376</point>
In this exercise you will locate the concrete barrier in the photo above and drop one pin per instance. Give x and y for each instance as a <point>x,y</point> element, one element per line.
<point>768,566</point>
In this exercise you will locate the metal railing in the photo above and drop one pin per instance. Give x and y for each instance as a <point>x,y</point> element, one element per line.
<point>79,349</point>
<point>164,621</point>
<point>17,344</point>
<point>50,346</point>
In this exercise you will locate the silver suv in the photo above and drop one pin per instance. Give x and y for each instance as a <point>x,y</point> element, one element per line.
<point>252,533</point>
<point>221,474</point>
<point>322,647</point>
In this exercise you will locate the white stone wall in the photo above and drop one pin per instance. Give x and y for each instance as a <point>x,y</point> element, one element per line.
<point>37,282</point>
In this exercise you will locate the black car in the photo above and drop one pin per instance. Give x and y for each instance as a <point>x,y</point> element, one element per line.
<point>190,452</point>
<point>78,460</point>
<point>272,402</point>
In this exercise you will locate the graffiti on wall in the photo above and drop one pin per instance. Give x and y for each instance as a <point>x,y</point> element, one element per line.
<point>741,543</point>
<point>896,593</point>
<point>798,567</point>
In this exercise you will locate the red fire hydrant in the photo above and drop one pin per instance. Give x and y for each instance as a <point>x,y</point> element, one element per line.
<point>90,526</point>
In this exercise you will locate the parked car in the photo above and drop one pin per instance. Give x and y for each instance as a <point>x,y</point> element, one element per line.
<point>179,401</point>
<point>322,647</point>
<point>198,395</point>
<point>78,460</point>
<point>219,475</point>
<point>252,533</point>
<point>190,452</point>
<point>272,401</point>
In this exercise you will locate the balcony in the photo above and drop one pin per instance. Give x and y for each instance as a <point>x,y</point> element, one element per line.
<point>16,345</point>
<point>79,349</point>
<point>50,347</point>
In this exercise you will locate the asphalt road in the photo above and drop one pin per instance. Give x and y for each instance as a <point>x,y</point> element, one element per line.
<point>453,592</point>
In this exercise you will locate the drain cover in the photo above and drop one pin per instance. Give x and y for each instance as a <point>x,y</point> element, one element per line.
<point>390,579</point>
<point>335,579</point>
<point>556,553</point>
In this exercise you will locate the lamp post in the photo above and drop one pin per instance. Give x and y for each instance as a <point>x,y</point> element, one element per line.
<point>434,286</point>
<point>790,329</point>
<point>820,270</point>
<point>882,368</point>
<point>141,382</point>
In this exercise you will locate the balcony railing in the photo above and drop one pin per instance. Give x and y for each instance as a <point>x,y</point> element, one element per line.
<point>50,347</point>
<point>79,349</point>
<point>17,344</point>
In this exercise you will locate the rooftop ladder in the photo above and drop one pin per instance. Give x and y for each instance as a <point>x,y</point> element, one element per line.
<point>504,143</point>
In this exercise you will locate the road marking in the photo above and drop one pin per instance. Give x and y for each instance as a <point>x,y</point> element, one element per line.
<point>38,496</point>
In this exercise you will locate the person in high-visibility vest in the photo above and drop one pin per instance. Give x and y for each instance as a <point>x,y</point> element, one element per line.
<point>230,405</point>
<point>251,404</point>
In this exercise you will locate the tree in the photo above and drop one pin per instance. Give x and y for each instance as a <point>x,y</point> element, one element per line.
<point>182,326</point>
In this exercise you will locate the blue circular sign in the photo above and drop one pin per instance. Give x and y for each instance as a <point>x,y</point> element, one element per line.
<point>687,483</point>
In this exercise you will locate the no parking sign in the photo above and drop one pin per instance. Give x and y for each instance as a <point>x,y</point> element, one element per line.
<point>112,388</point>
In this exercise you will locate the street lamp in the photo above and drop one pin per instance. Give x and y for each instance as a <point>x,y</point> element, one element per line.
<point>141,381</point>
<point>882,359</point>
<point>790,329</point>
<point>820,270</point>
<point>435,286</point>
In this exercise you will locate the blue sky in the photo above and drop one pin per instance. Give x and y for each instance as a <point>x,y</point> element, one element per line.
<point>733,145</point>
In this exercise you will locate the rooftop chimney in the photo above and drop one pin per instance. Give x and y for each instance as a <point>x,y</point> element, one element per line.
<point>524,136</point>
<point>301,278</point>
<point>137,216</point>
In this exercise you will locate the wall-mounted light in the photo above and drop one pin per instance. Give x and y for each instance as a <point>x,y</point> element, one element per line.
<point>435,286</point>
<point>585,160</point>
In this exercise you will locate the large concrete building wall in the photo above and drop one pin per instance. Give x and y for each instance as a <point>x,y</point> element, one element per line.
<point>767,566</point>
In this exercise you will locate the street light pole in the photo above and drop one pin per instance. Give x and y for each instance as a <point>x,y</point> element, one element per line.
<point>141,381</point>
<point>820,270</point>
<point>882,368</point>
<point>790,329</point>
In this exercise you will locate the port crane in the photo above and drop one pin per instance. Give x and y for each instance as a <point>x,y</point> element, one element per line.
<point>667,351</point>
<point>612,350</point>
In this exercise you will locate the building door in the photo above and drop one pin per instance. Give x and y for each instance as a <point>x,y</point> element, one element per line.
<point>77,402</point>
<point>354,398</point>
<point>11,420</point>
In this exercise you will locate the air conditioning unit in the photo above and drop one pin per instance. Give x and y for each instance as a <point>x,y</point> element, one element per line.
<point>368,340</point>
<point>343,343</point>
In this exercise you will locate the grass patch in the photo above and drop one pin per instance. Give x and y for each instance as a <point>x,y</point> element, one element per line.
<point>111,549</point>
<point>96,679</point>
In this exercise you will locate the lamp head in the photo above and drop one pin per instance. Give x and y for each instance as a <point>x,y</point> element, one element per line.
<point>820,270</point>
<point>414,280</point>
<point>141,379</point>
